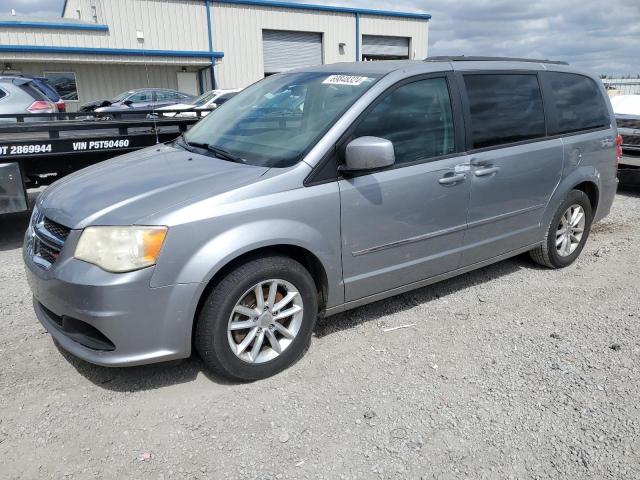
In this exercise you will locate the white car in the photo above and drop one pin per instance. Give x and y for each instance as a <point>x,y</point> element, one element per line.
<point>207,101</point>
<point>627,111</point>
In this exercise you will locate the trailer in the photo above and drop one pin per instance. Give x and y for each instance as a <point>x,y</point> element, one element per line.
<point>38,149</point>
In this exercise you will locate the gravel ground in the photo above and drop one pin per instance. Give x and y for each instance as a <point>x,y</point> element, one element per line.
<point>512,371</point>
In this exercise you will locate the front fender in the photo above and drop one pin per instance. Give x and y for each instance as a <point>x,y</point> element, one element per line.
<point>307,218</point>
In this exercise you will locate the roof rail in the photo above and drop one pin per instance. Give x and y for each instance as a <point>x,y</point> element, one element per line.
<point>463,58</point>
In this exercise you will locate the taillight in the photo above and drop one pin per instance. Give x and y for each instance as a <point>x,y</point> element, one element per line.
<point>40,106</point>
<point>618,148</point>
<point>61,106</point>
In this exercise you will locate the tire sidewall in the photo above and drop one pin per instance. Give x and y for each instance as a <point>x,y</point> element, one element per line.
<point>575,197</point>
<point>229,291</point>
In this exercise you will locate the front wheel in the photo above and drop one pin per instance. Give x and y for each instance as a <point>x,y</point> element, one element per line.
<point>567,233</point>
<point>258,319</point>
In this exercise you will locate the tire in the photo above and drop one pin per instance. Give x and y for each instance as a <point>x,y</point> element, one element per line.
<point>548,254</point>
<point>218,344</point>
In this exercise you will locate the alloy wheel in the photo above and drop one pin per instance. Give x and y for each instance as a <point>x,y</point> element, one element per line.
<point>570,230</point>
<point>265,321</point>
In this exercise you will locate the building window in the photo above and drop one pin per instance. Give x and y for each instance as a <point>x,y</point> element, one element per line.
<point>65,84</point>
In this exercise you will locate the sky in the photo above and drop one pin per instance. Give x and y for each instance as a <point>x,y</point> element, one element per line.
<point>601,36</point>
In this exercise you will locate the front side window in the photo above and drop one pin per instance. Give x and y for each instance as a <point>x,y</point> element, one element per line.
<point>417,118</point>
<point>274,122</point>
<point>578,102</point>
<point>505,108</point>
<point>142,96</point>
<point>64,83</point>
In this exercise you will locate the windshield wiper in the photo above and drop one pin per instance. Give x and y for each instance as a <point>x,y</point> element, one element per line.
<point>217,151</point>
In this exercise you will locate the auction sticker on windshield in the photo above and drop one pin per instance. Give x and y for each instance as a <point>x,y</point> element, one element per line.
<point>345,80</point>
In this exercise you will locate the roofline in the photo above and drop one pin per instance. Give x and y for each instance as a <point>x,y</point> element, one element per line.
<point>309,6</point>
<point>111,51</point>
<point>53,25</point>
<point>464,58</point>
<point>327,8</point>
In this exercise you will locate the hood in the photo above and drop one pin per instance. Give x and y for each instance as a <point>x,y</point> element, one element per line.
<point>127,188</point>
<point>90,106</point>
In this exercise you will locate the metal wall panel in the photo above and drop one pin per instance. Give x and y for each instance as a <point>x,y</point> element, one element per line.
<point>286,50</point>
<point>96,81</point>
<point>237,31</point>
<point>167,25</point>
<point>385,45</point>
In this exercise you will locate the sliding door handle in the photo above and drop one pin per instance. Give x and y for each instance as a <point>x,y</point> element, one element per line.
<point>486,171</point>
<point>452,179</point>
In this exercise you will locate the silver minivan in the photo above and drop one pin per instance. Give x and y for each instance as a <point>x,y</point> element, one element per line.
<point>315,191</point>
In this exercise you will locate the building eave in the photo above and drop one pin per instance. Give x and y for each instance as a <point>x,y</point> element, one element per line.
<point>111,51</point>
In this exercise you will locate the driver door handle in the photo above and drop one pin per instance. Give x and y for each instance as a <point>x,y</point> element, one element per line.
<point>486,171</point>
<point>452,179</point>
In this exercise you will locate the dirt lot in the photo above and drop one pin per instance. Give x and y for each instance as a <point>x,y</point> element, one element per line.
<point>511,371</point>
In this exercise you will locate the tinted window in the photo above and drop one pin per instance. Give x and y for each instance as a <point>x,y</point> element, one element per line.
<point>504,108</point>
<point>2,93</point>
<point>64,83</point>
<point>416,117</point>
<point>578,102</point>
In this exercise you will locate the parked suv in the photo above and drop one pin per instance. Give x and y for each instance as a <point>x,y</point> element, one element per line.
<point>389,177</point>
<point>20,95</point>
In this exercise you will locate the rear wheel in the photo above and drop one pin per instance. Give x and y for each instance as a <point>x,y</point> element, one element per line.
<point>258,319</point>
<point>567,233</point>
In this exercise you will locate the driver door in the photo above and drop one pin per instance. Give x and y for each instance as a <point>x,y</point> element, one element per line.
<point>406,223</point>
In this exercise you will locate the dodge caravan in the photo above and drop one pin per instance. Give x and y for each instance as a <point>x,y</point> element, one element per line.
<point>362,181</point>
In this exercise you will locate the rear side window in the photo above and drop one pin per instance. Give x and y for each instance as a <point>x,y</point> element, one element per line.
<point>416,117</point>
<point>577,101</point>
<point>505,108</point>
<point>2,93</point>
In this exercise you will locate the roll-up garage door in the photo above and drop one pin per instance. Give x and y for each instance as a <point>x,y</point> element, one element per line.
<point>286,50</point>
<point>381,47</point>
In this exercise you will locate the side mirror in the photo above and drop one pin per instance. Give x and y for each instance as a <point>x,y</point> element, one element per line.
<point>368,153</point>
<point>128,103</point>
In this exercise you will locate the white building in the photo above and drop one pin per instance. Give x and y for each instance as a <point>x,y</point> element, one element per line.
<point>99,48</point>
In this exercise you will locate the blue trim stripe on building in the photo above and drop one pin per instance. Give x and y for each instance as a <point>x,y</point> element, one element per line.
<point>53,25</point>
<point>327,8</point>
<point>111,51</point>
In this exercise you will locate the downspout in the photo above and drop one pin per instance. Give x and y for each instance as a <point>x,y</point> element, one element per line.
<point>210,32</point>
<point>358,56</point>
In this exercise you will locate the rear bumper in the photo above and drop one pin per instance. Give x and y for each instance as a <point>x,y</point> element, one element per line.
<point>112,319</point>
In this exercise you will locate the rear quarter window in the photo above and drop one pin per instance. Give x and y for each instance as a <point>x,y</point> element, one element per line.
<point>576,102</point>
<point>2,93</point>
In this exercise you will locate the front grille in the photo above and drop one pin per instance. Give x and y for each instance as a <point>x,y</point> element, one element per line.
<point>55,229</point>
<point>631,140</point>
<point>48,239</point>
<point>628,122</point>
<point>46,252</point>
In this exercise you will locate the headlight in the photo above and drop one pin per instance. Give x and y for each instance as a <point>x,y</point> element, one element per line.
<point>120,249</point>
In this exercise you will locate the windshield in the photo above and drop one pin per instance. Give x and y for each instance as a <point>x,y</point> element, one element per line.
<point>122,96</point>
<point>274,122</point>
<point>204,98</point>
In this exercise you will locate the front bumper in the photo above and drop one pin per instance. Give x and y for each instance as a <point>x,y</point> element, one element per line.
<point>142,324</point>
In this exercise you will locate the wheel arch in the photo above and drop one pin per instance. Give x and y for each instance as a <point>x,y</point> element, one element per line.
<point>585,179</point>
<point>302,255</point>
